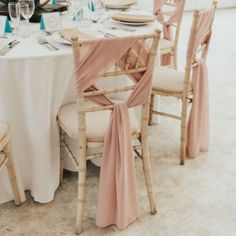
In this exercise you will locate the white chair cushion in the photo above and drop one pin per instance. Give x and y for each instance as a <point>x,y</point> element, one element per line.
<point>166,44</point>
<point>96,122</point>
<point>3,130</point>
<point>168,80</point>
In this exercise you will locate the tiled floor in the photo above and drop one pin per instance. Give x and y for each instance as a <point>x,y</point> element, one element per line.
<point>198,199</point>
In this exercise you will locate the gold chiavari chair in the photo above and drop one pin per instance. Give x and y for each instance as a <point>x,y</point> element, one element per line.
<point>171,82</point>
<point>87,121</point>
<point>169,13</point>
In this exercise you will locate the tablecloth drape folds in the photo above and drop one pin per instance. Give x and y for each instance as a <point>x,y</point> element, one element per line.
<point>198,126</point>
<point>175,17</point>
<point>117,200</point>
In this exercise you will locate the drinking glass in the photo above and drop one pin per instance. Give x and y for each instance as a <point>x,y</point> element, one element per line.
<point>27,8</point>
<point>14,12</point>
<point>99,5</point>
<point>99,9</point>
<point>75,9</point>
<point>86,13</point>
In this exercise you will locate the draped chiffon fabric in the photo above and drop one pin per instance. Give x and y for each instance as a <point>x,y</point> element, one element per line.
<point>175,17</point>
<point>198,126</point>
<point>117,198</point>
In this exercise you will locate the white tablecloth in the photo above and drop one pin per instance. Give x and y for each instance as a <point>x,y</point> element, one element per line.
<point>34,83</point>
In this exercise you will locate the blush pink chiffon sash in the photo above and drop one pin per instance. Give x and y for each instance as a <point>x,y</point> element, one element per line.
<point>198,126</point>
<point>175,17</point>
<point>117,198</point>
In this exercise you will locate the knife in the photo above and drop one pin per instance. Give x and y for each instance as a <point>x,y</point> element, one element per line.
<point>8,47</point>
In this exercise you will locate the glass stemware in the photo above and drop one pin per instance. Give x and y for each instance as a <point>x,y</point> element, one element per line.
<point>14,12</point>
<point>75,10</point>
<point>27,8</point>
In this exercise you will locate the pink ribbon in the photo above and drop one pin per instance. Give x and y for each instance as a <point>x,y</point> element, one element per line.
<point>198,126</point>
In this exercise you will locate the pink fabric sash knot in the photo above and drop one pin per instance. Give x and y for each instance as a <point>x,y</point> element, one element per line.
<point>117,200</point>
<point>198,126</point>
<point>174,18</point>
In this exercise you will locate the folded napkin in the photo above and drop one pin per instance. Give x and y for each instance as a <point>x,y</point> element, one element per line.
<point>67,34</point>
<point>133,18</point>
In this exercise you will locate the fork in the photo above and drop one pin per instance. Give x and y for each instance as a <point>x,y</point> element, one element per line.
<point>42,40</point>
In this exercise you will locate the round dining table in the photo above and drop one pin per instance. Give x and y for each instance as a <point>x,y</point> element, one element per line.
<point>34,83</point>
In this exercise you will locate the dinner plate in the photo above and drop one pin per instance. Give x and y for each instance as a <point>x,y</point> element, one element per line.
<point>117,7</point>
<point>120,4</point>
<point>131,23</point>
<point>133,18</point>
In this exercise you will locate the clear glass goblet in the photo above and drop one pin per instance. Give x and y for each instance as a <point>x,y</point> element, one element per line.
<point>27,8</point>
<point>14,13</point>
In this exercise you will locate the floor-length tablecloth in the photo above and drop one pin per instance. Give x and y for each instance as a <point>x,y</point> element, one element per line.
<point>31,91</point>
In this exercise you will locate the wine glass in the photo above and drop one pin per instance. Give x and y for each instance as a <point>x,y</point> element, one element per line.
<point>14,12</point>
<point>99,9</point>
<point>76,10</point>
<point>27,8</point>
<point>86,13</point>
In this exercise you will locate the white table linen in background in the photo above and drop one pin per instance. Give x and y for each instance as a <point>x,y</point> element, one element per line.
<point>34,83</point>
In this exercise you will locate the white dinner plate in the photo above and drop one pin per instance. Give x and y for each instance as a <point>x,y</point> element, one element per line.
<point>119,4</point>
<point>117,7</point>
<point>131,23</point>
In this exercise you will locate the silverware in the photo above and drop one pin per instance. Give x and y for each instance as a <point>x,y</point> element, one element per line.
<point>107,35</point>
<point>43,41</point>
<point>8,47</point>
<point>97,19</point>
<point>121,28</point>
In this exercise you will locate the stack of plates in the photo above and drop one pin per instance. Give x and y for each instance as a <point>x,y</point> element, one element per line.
<point>119,4</point>
<point>133,19</point>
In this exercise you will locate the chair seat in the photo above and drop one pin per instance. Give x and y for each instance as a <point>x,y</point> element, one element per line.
<point>3,130</point>
<point>168,80</point>
<point>96,122</point>
<point>166,44</point>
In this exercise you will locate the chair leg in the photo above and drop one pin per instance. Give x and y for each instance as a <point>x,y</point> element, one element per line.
<point>146,161</point>
<point>175,60</point>
<point>81,194</point>
<point>12,174</point>
<point>183,136</point>
<point>82,168</point>
<point>148,181</point>
<point>62,153</point>
<point>151,109</point>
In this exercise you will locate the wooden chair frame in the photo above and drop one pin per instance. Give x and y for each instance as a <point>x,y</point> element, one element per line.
<point>141,150</point>
<point>7,160</point>
<point>176,27</point>
<point>186,95</point>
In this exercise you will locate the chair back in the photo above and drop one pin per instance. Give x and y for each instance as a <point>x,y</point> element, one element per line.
<point>170,13</point>
<point>196,69</point>
<point>199,40</point>
<point>133,60</point>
